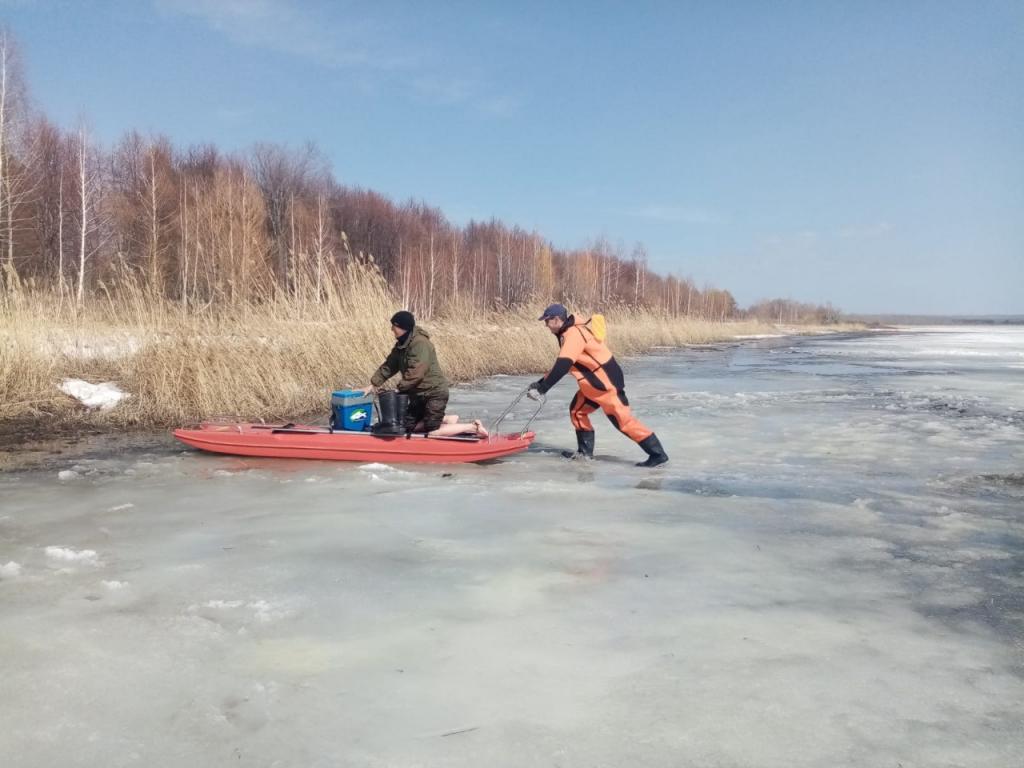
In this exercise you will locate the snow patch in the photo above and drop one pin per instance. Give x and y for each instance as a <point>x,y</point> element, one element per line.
<point>103,396</point>
<point>66,474</point>
<point>113,586</point>
<point>10,571</point>
<point>119,507</point>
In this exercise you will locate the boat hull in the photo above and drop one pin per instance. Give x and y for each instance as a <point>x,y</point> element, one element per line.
<point>300,442</point>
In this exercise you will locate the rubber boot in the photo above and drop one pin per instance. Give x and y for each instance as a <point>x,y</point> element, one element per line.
<point>584,445</point>
<point>387,404</point>
<point>655,453</point>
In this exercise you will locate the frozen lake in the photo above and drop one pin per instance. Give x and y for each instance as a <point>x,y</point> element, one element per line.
<point>830,572</point>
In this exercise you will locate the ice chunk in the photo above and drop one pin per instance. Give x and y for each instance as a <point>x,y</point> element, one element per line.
<point>103,396</point>
<point>263,611</point>
<point>377,467</point>
<point>10,571</point>
<point>67,474</point>
<point>68,555</point>
<point>224,604</point>
<point>376,470</point>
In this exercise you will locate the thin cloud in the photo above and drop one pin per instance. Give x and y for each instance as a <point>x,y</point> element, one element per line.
<point>451,92</point>
<point>865,232</point>
<point>803,239</point>
<point>443,91</point>
<point>288,28</point>
<point>500,106</point>
<point>234,114</point>
<point>285,27</point>
<point>677,214</point>
<point>810,238</point>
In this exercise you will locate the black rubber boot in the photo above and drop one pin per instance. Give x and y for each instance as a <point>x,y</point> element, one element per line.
<point>584,445</point>
<point>655,453</point>
<point>390,422</point>
<point>386,406</point>
<point>404,420</point>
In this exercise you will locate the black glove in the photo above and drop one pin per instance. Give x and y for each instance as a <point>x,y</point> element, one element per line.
<point>535,389</point>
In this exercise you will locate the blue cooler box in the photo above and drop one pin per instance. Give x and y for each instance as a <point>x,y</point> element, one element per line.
<point>352,410</point>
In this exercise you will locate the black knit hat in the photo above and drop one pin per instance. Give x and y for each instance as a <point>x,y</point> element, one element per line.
<point>404,320</point>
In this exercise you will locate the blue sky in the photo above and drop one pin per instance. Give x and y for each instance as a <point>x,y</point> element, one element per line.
<point>870,154</point>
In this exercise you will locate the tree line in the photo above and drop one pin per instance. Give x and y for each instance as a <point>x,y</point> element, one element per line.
<point>202,227</point>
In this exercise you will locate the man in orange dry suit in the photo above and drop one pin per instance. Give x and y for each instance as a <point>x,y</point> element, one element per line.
<point>601,386</point>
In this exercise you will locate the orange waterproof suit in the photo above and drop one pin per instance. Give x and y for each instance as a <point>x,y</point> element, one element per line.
<point>600,380</point>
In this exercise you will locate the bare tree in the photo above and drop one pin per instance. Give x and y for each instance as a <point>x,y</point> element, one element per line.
<point>12,110</point>
<point>322,245</point>
<point>282,175</point>
<point>639,261</point>
<point>90,218</point>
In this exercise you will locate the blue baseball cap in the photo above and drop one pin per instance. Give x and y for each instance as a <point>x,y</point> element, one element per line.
<point>554,310</point>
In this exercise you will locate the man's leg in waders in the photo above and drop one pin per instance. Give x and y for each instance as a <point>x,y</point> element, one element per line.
<point>426,412</point>
<point>579,414</point>
<point>616,407</point>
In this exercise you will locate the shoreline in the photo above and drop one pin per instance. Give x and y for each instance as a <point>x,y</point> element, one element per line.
<point>29,440</point>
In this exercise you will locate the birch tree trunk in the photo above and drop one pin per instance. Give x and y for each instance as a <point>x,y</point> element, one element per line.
<point>83,191</point>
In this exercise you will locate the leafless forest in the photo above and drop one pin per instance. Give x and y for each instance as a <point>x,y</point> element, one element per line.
<point>204,229</point>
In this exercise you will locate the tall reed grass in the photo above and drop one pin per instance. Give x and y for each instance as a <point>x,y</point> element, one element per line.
<point>273,360</point>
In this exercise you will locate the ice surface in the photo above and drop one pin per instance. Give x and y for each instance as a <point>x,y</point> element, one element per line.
<point>103,396</point>
<point>828,572</point>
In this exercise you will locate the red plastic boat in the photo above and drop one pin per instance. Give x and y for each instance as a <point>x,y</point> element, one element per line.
<point>289,441</point>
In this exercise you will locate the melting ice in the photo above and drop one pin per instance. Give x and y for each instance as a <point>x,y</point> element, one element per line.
<point>828,572</point>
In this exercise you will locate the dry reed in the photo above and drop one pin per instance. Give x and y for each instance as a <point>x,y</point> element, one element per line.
<point>278,359</point>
